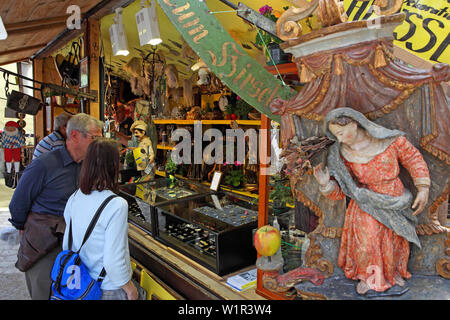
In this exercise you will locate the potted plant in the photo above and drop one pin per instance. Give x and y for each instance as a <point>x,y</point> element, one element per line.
<point>280,195</point>
<point>271,44</point>
<point>231,112</point>
<point>243,108</point>
<point>234,176</point>
<point>171,167</point>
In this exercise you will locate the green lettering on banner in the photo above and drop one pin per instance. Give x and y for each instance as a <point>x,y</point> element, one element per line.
<point>212,43</point>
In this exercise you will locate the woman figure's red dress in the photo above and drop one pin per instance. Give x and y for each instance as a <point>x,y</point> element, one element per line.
<point>370,251</point>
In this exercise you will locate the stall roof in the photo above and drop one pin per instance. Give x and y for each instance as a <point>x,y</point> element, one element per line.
<point>37,28</point>
<point>242,32</point>
<point>31,24</point>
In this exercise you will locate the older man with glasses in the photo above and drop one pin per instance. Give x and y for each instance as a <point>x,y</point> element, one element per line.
<point>38,203</point>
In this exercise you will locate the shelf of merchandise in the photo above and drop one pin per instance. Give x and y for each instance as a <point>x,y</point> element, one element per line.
<point>244,193</point>
<point>205,122</point>
<point>164,147</point>
<point>188,122</point>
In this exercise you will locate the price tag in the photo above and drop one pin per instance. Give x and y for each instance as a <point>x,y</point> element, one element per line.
<point>216,180</point>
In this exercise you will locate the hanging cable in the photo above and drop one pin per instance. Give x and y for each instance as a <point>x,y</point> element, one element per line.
<point>225,11</point>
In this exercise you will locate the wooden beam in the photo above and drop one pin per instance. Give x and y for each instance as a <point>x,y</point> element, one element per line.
<point>106,7</point>
<point>33,23</point>
<point>263,204</point>
<point>264,149</point>
<point>39,118</point>
<point>14,61</point>
<point>92,49</point>
<point>263,207</point>
<point>17,26</point>
<point>58,42</point>
<point>16,50</point>
<point>36,28</point>
<point>100,10</point>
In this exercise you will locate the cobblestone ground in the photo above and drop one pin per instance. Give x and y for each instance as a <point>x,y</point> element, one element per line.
<point>12,281</point>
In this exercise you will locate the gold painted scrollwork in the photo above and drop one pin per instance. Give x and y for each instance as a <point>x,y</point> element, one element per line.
<point>443,267</point>
<point>270,283</point>
<point>314,258</point>
<point>443,264</point>
<point>328,12</point>
<point>331,12</point>
<point>287,26</point>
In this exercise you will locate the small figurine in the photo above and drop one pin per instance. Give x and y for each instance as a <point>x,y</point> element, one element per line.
<point>12,141</point>
<point>144,154</point>
<point>379,221</point>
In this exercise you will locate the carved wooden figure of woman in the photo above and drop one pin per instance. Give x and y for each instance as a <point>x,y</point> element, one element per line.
<point>379,221</point>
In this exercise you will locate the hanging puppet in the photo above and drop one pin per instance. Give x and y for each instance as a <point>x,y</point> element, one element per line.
<point>12,141</point>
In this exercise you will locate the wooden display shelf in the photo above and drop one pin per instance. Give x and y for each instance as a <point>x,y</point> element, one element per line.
<point>244,193</point>
<point>160,173</point>
<point>164,147</point>
<point>172,121</point>
<point>188,122</point>
<point>284,69</point>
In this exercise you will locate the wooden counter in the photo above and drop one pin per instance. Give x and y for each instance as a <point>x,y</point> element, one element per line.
<point>186,277</point>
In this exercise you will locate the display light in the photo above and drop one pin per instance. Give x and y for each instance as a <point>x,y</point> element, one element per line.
<point>118,36</point>
<point>147,25</point>
<point>3,33</point>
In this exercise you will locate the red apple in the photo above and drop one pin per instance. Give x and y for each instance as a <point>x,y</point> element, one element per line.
<point>267,240</point>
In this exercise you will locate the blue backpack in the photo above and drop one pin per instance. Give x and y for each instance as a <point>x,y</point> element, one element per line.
<point>70,277</point>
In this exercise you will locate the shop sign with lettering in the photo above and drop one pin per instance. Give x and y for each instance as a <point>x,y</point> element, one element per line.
<point>226,58</point>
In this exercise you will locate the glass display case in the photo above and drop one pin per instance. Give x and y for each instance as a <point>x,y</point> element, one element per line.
<point>142,198</point>
<point>215,230</point>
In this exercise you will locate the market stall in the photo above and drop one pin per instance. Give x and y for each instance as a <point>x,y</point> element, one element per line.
<point>220,130</point>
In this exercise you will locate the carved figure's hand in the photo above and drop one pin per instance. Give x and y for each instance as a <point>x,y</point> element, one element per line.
<point>421,200</point>
<point>322,176</point>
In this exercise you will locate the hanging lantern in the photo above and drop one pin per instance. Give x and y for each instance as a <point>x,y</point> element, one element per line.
<point>147,24</point>
<point>3,33</point>
<point>118,36</point>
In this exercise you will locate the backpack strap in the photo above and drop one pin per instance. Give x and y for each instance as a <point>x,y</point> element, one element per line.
<point>89,231</point>
<point>95,219</point>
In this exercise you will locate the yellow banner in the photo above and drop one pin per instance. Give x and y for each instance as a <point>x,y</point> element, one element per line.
<point>425,31</point>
